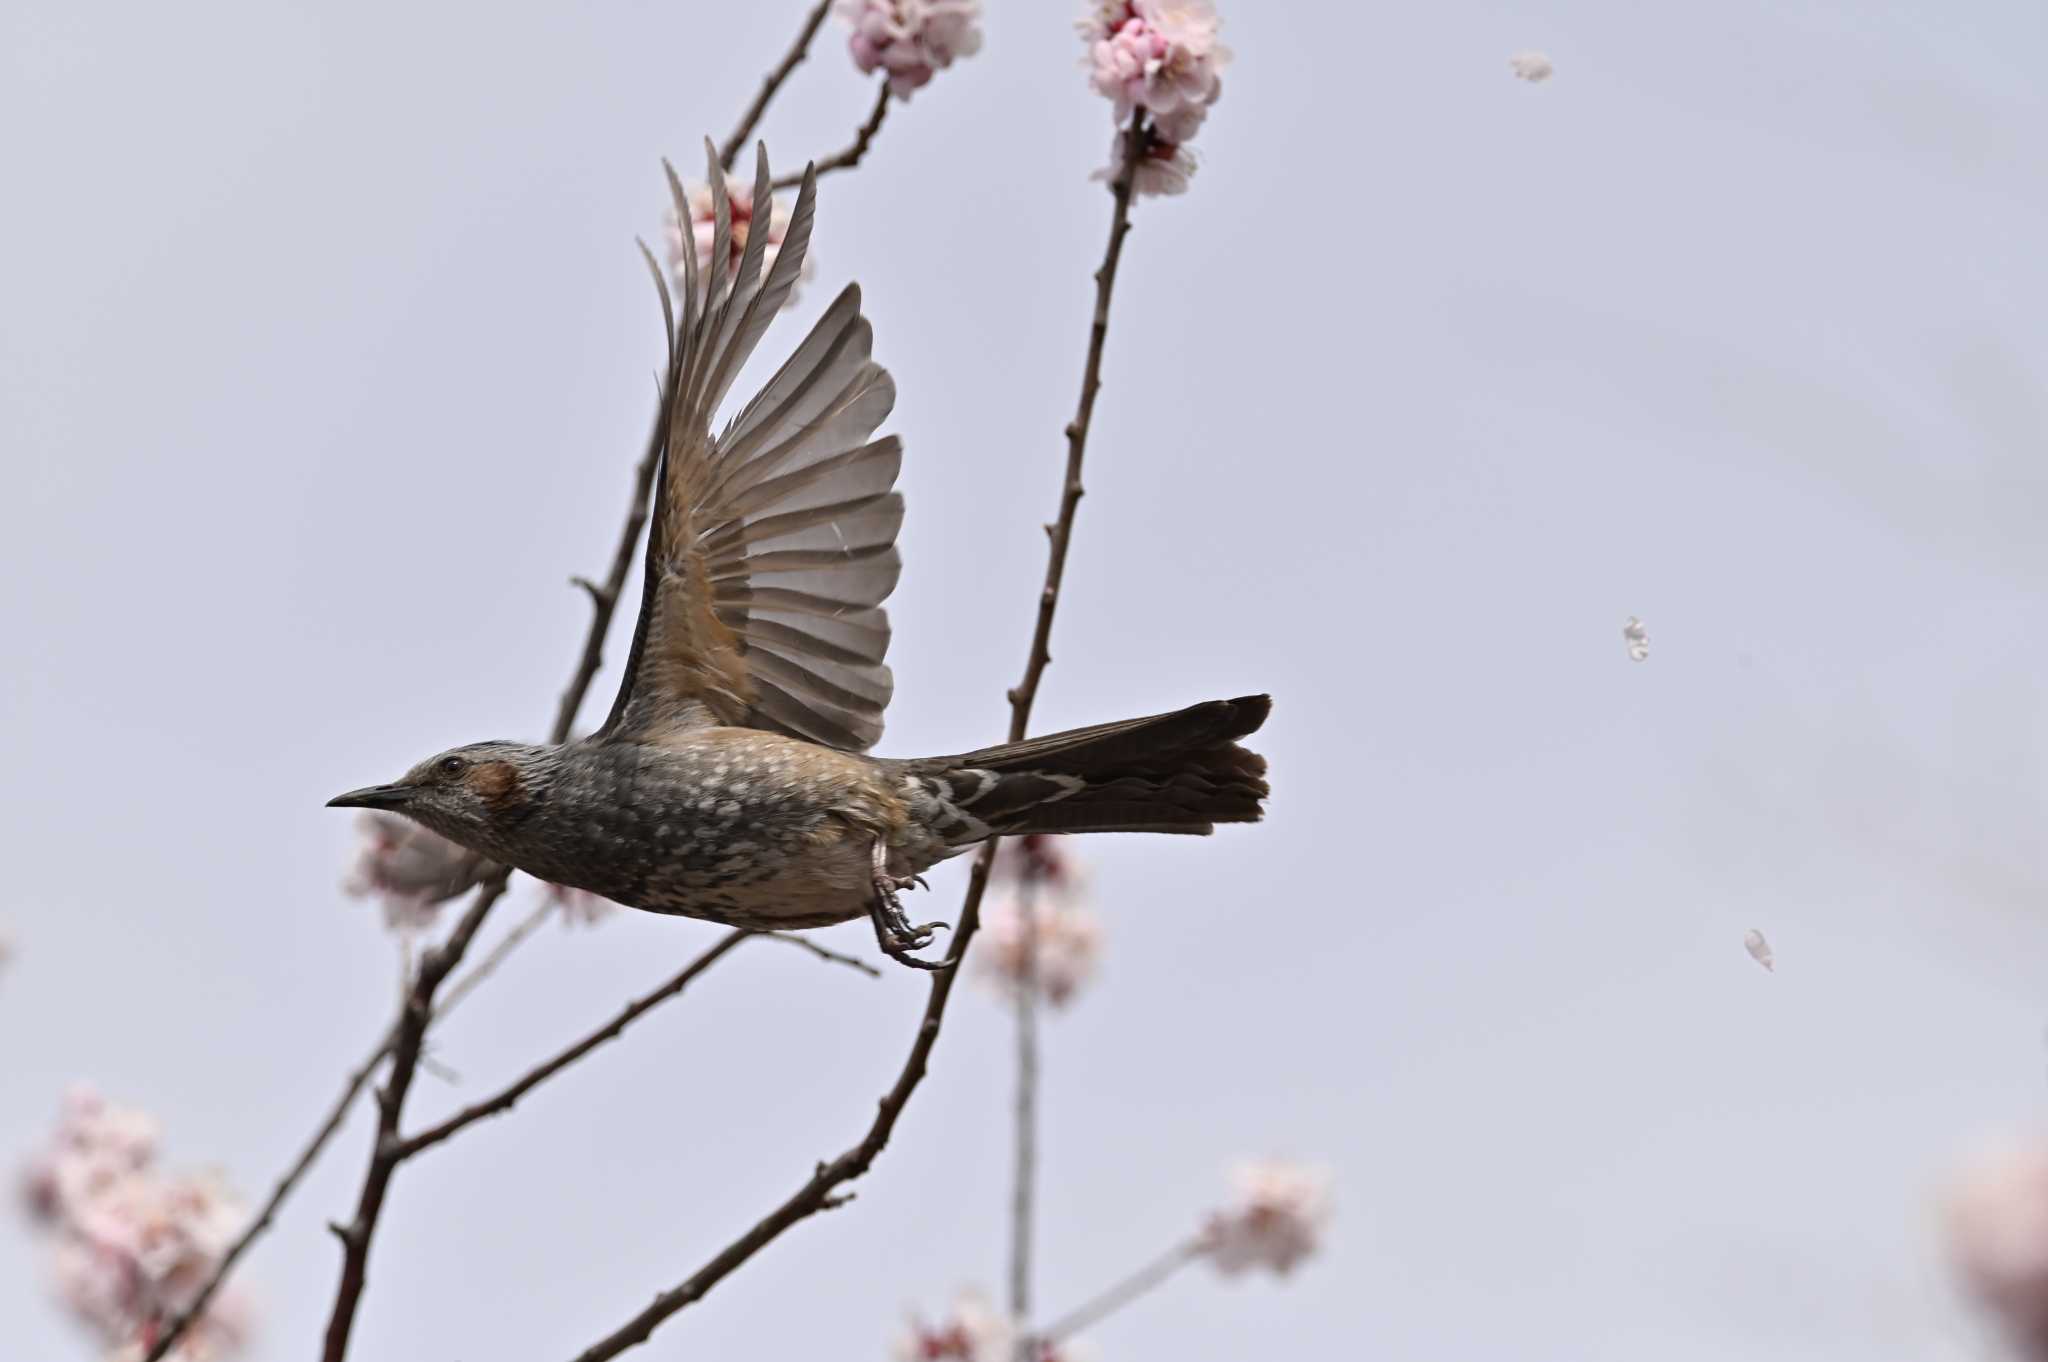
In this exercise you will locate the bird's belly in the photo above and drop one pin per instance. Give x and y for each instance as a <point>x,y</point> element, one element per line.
<point>815,887</point>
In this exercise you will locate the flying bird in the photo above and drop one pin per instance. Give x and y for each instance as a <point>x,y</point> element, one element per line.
<point>731,780</point>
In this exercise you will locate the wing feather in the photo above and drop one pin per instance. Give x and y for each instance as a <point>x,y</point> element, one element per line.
<point>773,546</point>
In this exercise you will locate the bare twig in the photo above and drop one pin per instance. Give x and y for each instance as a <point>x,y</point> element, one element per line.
<point>413,1021</point>
<point>791,59</point>
<point>851,962</point>
<point>256,1228</point>
<point>509,1097</point>
<point>604,600</point>
<point>822,1190</point>
<point>1122,1294</point>
<point>851,156</point>
<point>1026,1169</point>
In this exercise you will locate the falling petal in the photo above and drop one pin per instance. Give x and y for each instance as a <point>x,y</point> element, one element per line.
<point>1758,948</point>
<point>1533,67</point>
<point>1637,636</point>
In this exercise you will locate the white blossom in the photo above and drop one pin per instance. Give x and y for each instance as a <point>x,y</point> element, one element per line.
<point>1533,67</point>
<point>1758,948</point>
<point>409,870</point>
<point>133,1246</point>
<point>973,1332</point>
<point>1275,1222</point>
<point>1036,923</point>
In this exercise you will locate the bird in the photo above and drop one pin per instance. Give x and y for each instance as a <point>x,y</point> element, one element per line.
<point>731,780</point>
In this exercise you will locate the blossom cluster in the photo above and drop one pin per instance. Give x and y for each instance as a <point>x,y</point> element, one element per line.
<point>911,40</point>
<point>1276,1221</point>
<point>1162,57</point>
<point>1037,928</point>
<point>700,235</point>
<point>132,1245</point>
<point>412,872</point>
<point>409,870</point>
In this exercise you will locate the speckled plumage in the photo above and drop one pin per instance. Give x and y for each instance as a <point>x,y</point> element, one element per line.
<point>729,781</point>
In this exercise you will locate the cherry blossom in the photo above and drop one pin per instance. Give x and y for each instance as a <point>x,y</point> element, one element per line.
<point>1276,1221</point>
<point>410,870</point>
<point>133,1246</point>
<point>1758,948</point>
<point>911,40</point>
<point>1056,943</point>
<point>1164,170</point>
<point>1162,57</point>
<point>703,233</point>
<point>1533,67</point>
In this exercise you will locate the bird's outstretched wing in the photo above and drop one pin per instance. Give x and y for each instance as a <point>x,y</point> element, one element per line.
<point>773,545</point>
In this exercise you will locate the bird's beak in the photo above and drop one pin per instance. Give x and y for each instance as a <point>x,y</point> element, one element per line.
<point>374,797</point>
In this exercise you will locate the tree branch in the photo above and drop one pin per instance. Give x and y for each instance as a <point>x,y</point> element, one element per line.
<point>1120,1295</point>
<point>851,156</point>
<point>413,1021</point>
<point>821,1190</point>
<point>791,59</point>
<point>1025,1172</point>
<point>507,1099</point>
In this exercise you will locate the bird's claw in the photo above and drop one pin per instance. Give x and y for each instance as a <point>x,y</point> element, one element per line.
<point>894,932</point>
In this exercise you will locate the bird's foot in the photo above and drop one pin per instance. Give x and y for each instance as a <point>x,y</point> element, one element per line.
<point>894,932</point>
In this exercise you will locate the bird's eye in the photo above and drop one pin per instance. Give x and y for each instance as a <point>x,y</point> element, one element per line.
<point>452,766</point>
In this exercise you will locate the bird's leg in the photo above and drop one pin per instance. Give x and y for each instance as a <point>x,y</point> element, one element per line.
<point>893,931</point>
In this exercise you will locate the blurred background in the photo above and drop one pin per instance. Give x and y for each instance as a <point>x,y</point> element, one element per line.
<point>326,360</point>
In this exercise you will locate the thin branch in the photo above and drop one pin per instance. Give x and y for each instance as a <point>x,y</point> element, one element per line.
<point>604,600</point>
<point>507,1099</point>
<point>851,962</point>
<point>791,59</point>
<point>1120,1295</point>
<point>821,1190</point>
<point>1021,698</point>
<point>257,1227</point>
<point>1025,1171</point>
<point>851,156</point>
<point>413,1021</point>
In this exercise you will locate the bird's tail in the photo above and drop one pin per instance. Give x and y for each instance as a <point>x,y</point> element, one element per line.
<point>1180,772</point>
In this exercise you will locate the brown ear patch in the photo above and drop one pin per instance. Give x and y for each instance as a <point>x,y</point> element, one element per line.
<point>497,781</point>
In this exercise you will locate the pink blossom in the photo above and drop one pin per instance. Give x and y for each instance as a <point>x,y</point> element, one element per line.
<point>911,40</point>
<point>703,233</point>
<point>1997,1223</point>
<point>1161,56</point>
<point>96,1144</point>
<point>411,870</point>
<point>1276,1221</point>
<point>974,1332</point>
<point>1164,170</point>
<point>1055,946</point>
<point>132,1245</point>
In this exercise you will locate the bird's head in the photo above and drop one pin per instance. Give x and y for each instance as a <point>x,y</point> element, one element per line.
<point>466,793</point>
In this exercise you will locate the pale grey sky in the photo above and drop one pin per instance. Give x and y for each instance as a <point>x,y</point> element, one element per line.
<point>326,355</point>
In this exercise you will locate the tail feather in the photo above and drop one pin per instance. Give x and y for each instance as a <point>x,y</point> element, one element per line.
<point>1181,772</point>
